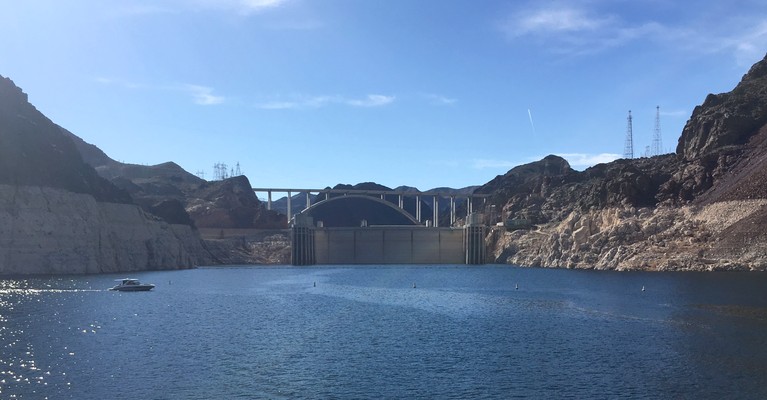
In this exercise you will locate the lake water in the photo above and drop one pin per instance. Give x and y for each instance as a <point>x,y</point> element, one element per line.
<point>366,332</point>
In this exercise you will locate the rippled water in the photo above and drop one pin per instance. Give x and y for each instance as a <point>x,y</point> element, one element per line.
<point>367,332</point>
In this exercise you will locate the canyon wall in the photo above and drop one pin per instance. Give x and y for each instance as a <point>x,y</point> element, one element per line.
<point>703,208</point>
<point>46,230</point>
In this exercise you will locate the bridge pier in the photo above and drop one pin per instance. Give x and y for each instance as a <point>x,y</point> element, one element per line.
<point>418,208</point>
<point>452,210</point>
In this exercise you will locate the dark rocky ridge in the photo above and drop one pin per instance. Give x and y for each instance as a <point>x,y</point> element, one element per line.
<point>235,226</point>
<point>169,191</point>
<point>702,208</point>
<point>57,215</point>
<point>549,189</point>
<point>34,152</point>
<point>727,119</point>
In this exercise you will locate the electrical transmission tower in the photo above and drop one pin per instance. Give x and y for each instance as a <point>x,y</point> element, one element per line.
<point>220,171</point>
<point>628,149</point>
<point>237,171</point>
<point>657,142</point>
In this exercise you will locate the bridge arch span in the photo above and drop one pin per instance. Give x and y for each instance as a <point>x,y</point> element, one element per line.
<point>351,210</point>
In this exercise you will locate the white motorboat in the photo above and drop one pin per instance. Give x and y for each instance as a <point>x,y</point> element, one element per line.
<point>132,285</point>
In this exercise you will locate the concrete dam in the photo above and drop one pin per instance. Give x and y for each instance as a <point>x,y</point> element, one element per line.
<point>384,227</point>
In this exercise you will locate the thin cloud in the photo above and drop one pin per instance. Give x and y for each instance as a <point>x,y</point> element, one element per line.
<point>278,105</point>
<point>300,102</point>
<point>577,29</point>
<point>744,39</point>
<point>583,160</point>
<point>439,100</point>
<point>303,102</point>
<point>261,4</point>
<point>372,100</point>
<point>572,30</point>
<point>203,95</point>
<point>555,20</point>
<point>244,7</point>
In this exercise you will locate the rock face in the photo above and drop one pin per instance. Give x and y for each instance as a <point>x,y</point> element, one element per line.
<point>230,203</point>
<point>52,231</point>
<point>549,190</point>
<point>231,219</point>
<point>727,119</point>
<point>57,215</point>
<point>711,237</point>
<point>704,208</point>
<point>33,151</point>
<point>167,190</point>
<point>262,247</point>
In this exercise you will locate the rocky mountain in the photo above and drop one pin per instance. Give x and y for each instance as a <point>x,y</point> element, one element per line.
<point>57,215</point>
<point>702,208</point>
<point>33,151</point>
<point>727,120</point>
<point>172,193</point>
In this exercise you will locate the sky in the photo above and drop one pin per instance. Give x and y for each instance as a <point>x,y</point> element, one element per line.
<point>423,93</point>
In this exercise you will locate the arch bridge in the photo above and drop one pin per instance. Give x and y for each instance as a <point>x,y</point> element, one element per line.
<point>409,242</point>
<point>435,196</point>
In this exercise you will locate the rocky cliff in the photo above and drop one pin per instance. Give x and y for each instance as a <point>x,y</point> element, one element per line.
<point>33,151</point>
<point>57,215</point>
<point>235,226</point>
<point>727,119</point>
<point>46,230</point>
<point>172,193</point>
<point>703,208</point>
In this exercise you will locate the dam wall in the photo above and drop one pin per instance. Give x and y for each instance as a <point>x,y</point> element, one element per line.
<point>387,245</point>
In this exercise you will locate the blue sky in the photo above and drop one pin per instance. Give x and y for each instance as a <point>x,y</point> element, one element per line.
<point>425,93</point>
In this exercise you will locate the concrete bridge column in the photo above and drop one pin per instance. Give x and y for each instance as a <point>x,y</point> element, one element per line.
<point>436,212</point>
<point>399,201</point>
<point>308,199</point>
<point>452,210</point>
<point>418,208</point>
<point>289,207</point>
<point>269,200</point>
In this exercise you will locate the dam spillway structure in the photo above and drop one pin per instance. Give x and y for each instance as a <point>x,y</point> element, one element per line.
<point>365,227</point>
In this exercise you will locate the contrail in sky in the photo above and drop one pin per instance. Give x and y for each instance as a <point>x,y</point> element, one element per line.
<point>530,114</point>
